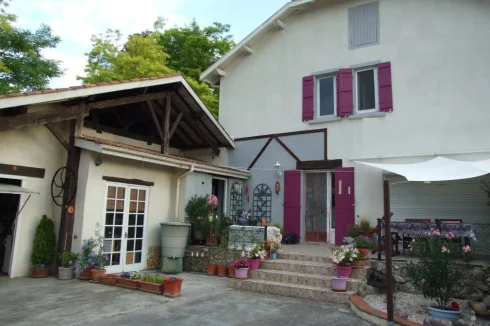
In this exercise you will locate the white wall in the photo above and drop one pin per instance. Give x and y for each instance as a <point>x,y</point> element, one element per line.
<point>438,51</point>
<point>32,147</point>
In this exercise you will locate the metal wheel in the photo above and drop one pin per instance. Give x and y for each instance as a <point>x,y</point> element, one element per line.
<point>59,186</point>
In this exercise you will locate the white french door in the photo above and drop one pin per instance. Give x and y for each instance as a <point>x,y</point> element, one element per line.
<point>125,227</point>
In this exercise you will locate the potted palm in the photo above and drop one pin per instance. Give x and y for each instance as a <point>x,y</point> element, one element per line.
<point>241,269</point>
<point>67,265</point>
<point>254,256</point>
<point>435,273</point>
<point>43,247</point>
<point>343,257</point>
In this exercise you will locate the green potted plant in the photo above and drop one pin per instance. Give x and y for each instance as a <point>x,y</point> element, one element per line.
<point>99,259</point>
<point>43,247</point>
<point>365,226</point>
<point>435,273</point>
<point>67,265</point>
<point>223,253</point>
<point>241,269</point>
<point>85,261</point>
<point>196,211</point>
<point>255,254</point>
<point>343,257</point>
<point>364,244</point>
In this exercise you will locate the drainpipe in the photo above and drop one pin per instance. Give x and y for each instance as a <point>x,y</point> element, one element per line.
<point>177,195</point>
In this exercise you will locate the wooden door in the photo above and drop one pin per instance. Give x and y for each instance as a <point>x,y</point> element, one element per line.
<point>344,202</point>
<point>292,202</point>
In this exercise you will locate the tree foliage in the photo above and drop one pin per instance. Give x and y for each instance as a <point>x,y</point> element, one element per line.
<point>188,50</point>
<point>22,66</point>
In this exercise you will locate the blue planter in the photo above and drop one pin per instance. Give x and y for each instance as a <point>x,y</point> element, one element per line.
<point>444,314</point>
<point>273,255</point>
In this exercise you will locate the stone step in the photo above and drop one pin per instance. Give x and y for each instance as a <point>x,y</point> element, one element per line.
<point>311,258</point>
<point>292,290</point>
<point>307,267</point>
<point>300,278</point>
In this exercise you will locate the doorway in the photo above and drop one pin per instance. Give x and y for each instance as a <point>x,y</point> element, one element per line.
<point>219,190</point>
<point>319,207</point>
<point>9,206</point>
<point>125,227</point>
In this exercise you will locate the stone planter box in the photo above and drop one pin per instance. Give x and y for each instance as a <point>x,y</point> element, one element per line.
<point>128,283</point>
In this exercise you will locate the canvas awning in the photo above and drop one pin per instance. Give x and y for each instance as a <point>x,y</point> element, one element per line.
<point>16,190</point>
<point>437,169</point>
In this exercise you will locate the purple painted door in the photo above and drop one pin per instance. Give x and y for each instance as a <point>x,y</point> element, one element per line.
<point>344,202</point>
<point>292,202</point>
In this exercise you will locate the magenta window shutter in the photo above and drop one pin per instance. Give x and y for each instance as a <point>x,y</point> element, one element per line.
<point>345,100</point>
<point>308,91</point>
<point>344,202</point>
<point>384,84</point>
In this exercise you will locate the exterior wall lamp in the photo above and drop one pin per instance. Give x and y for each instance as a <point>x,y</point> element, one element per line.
<point>278,169</point>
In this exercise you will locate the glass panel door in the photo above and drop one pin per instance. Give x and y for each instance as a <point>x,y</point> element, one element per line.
<point>135,229</point>
<point>113,226</point>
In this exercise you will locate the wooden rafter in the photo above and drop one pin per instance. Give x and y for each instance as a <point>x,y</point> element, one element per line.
<point>155,120</point>
<point>126,100</point>
<point>94,115</point>
<point>57,135</point>
<point>175,125</point>
<point>166,123</point>
<point>80,119</point>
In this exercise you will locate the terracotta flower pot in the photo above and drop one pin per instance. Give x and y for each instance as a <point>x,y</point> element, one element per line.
<point>344,271</point>
<point>86,274</point>
<point>41,272</point>
<point>358,264</point>
<point>172,286</point>
<point>128,283</point>
<point>212,269</point>
<point>97,274</point>
<point>364,252</point>
<point>231,271</point>
<point>222,269</point>
<point>109,279</point>
<point>254,264</point>
<point>151,287</point>
<point>339,284</point>
<point>241,273</point>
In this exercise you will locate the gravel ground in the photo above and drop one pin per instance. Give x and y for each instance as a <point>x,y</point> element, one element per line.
<point>416,306</point>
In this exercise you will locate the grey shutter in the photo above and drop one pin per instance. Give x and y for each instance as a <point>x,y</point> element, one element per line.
<point>364,25</point>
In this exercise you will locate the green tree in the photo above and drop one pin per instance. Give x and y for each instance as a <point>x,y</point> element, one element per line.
<point>22,66</point>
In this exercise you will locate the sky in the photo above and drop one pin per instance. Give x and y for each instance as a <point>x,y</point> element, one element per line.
<point>76,20</point>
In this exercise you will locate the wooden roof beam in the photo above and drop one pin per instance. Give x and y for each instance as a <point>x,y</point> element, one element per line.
<point>126,100</point>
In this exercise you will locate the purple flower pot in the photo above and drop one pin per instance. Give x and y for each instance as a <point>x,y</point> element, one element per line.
<point>339,284</point>
<point>344,271</point>
<point>253,264</point>
<point>241,273</point>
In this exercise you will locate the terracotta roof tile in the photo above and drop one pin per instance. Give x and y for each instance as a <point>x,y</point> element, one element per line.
<point>33,93</point>
<point>47,91</point>
<point>3,96</point>
<point>153,152</point>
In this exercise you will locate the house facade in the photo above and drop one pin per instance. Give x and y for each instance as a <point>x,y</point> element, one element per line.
<point>324,84</point>
<point>122,156</point>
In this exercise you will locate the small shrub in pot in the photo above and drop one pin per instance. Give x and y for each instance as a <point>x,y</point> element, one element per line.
<point>67,265</point>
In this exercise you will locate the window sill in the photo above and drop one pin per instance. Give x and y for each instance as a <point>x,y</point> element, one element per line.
<point>367,115</point>
<point>324,119</point>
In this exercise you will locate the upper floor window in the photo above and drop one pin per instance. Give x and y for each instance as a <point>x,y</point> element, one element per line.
<point>325,96</point>
<point>366,85</point>
<point>364,25</point>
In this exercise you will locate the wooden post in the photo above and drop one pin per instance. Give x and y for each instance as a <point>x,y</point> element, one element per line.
<point>388,251</point>
<point>379,239</point>
<point>68,209</point>
<point>166,123</point>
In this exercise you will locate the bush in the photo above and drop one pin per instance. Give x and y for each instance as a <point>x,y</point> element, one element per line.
<point>44,244</point>
<point>68,259</point>
<point>364,225</point>
<point>435,274</point>
<point>363,242</point>
<point>354,231</point>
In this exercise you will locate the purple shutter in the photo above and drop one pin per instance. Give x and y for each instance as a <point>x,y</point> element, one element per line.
<point>345,101</point>
<point>384,84</point>
<point>344,202</point>
<point>292,202</point>
<point>308,87</point>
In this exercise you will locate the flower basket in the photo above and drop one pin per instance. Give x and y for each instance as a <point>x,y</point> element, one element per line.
<point>231,271</point>
<point>172,286</point>
<point>109,279</point>
<point>212,269</point>
<point>128,283</point>
<point>339,284</point>
<point>86,274</point>
<point>344,271</point>
<point>149,287</point>
<point>241,273</point>
<point>40,272</point>
<point>97,274</point>
<point>254,263</point>
<point>222,269</point>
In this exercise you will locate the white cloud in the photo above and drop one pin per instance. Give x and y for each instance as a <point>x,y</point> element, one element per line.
<point>75,21</point>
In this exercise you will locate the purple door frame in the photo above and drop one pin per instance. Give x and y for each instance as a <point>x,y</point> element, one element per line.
<point>292,202</point>
<point>344,202</point>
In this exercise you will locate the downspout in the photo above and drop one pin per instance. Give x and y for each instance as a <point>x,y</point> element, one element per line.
<point>177,195</point>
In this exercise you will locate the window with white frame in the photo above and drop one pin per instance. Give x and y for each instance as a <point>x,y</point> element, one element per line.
<point>366,89</point>
<point>325,96</point>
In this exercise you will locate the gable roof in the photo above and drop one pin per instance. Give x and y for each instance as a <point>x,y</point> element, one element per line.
<point>116,87</point>
<point>213,73</point>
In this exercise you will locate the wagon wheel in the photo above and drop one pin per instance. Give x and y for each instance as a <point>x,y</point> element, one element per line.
<point>63,184</point>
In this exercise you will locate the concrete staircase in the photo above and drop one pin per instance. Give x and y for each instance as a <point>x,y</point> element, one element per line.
<point>301,276</point>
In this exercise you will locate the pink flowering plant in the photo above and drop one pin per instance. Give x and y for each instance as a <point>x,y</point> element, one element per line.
<point>344,255</point>
<point>257,252</point>
<point>435,274</point>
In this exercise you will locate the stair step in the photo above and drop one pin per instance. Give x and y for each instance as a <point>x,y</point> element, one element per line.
<point>292,290</point>
<point>299,278</point>
<point>307,267</point>
<point>302,257</point>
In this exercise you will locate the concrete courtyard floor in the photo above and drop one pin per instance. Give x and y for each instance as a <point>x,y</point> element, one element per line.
<point>206,300</point>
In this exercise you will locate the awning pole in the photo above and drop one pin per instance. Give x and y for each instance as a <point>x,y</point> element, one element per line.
<point>18,213</point>
<point>388,249</point>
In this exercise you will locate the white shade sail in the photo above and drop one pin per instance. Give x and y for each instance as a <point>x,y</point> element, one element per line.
<point>11,189</point>
<point>437,169</point>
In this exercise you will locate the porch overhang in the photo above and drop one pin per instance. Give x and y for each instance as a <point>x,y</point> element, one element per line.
<point>141,154</point>
<point>437,169</point>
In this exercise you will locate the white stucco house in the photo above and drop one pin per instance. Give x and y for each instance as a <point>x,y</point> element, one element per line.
<point>324,84</point>
<point>131,155</point>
